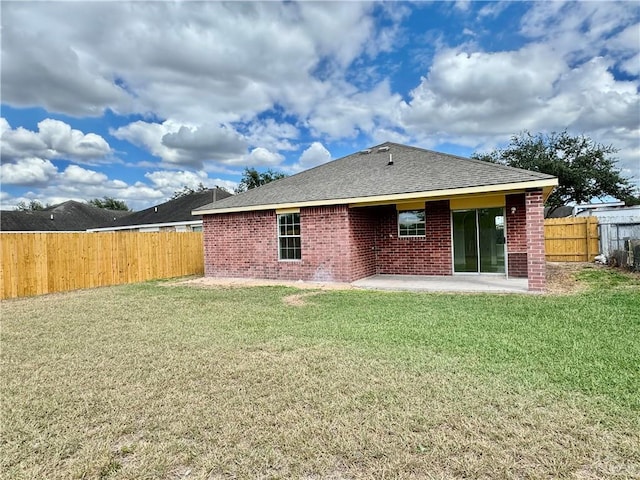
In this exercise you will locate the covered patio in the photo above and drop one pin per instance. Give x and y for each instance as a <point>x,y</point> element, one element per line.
<point>450,283</point>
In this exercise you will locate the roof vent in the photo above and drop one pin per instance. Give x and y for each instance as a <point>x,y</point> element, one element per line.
<point>366,151</point>
<point>390,159</point>
<point>155,209</point>
<point>384,149</point>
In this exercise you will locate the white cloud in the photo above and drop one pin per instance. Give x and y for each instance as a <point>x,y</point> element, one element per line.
<point>316,154</point>
<point>149,135</point>
<point>482,93</point>
<point>579,30</point>
<point>262,157</point>
<point>273,135</point>
<point>171,181</point>
<point>39,69</point>
<point>186,145</point>
<point>627,40</point>
<point>462,5</point>
<point>504,92</point>
<point>207,146</point>
<point>194,62</point>
<point>493,9</point>
<point>71,143</point>
<point>28,171</point>
<point>81,184</point>
<point>21,143</point>
<point>166,180</point>
<point>381,135</point>
<point>631,65</point>
<point>79,175</point>
<point>344,114</point>
<point>589,98</point>
<point>196,144</point>
<point>54,139</point>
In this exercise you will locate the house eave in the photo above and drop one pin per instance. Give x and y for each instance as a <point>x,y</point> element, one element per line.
<point>147,225</point>
<point>547,186</point>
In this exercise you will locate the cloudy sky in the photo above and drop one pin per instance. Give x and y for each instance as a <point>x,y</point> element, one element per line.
<point>134,100</point>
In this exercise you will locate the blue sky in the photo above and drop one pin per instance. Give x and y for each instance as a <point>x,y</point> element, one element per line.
<point>134,100</point>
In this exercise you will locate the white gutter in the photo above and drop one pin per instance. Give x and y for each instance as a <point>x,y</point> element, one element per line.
<point>146,225</point>
<point>547,185</point>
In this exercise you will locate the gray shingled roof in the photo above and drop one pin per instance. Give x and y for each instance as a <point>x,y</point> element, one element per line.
<point>176,210</point>
<point>65,217</point>
<point>369,174</point>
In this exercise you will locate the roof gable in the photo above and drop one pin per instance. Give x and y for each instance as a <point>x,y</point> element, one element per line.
<point>384,170</point>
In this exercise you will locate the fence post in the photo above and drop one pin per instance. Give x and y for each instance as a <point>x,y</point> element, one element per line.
<point>588,237</point>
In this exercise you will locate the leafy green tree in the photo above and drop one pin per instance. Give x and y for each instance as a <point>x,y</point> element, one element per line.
<point>251,178</point>
<point>186,190</point>
<point>109,203</point>
<point>33,205</point>
<point>633,198</point>
<point>585,168</point>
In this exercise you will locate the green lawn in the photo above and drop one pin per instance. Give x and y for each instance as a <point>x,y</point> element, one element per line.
<point>155,381</point>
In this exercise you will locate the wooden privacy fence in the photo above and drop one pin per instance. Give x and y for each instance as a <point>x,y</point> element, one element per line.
<point>572,239</point>
<point>38,263</point>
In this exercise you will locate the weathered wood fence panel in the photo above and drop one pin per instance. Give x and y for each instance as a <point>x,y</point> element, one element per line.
<point>572,239</point>
<point>38,263</point>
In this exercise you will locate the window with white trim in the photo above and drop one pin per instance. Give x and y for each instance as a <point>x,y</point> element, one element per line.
<point>289,247</point>
<point>411,223</point>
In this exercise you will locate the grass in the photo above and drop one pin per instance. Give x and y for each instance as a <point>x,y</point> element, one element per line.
<point>151,381</point>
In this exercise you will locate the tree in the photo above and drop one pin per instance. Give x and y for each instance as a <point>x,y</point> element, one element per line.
<point>109,203</point>
<point>186,190</point>
<point>251,178</point>
<point>633,198</point>
<point>585,168</point>
<point>33,205</point>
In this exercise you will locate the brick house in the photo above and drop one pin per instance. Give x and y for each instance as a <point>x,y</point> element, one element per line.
<point>390,209</point>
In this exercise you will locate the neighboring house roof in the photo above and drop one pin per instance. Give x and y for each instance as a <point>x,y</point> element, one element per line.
<point>368,176</point>
<point>559,212</point>
<point>174,211</point>
<point>68,216</point>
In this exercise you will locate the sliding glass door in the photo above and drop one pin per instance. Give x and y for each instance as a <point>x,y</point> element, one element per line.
<point>478,241</point>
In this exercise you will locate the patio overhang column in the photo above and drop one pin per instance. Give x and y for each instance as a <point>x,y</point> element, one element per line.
<point>536,264</point>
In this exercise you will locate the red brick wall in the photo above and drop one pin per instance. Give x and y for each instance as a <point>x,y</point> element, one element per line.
<point>240,245</point>
<point>325,234</point>
<point>363,223</point>
<point>338,244</point>
<point>429,255</point>
<point>516,236</point>
<point>246,245</point>
<point>536,266</point>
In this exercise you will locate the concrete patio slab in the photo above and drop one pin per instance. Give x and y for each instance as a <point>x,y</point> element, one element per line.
<point>454,283</point>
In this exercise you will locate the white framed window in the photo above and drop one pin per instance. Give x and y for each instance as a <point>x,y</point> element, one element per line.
<point>411,223</point>
<point>289,246</point>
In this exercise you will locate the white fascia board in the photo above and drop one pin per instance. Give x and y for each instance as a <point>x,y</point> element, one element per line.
<point>146,225</point>
<point>548,184</point>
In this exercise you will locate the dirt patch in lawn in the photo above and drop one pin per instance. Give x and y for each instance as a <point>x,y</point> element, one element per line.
<point>213,282</point>
<point>298,299</point>
<point>561,277</point>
